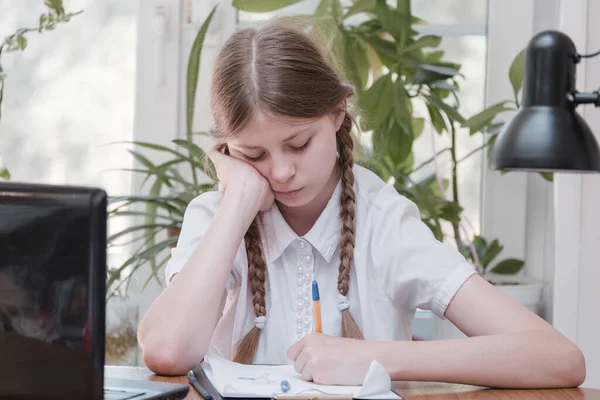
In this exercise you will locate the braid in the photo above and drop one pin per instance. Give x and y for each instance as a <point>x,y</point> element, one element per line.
<point>347,212</point>
<point>247,347</point>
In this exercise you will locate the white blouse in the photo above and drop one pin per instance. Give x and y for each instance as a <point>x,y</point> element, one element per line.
<point>399,266</point>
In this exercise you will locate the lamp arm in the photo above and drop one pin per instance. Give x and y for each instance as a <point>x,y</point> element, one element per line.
<point>578,57</point>
<point>576,98</point>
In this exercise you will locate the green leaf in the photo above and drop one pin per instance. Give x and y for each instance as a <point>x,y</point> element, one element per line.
<point>479,121</point>
<point>510,266</point>
<point>392,21</point>
<point>193,69</point>
<point>22,42</point>
<point>156,147</point>
<point>56,5</point>
<point>451,212</point>
<point>434,57</point>
<point>427,73</point>
<point>175,221</point>
<point>43,19</point>
<point>515,73</point>
<point>146,254</point>
<point>361,6</point>
<point>394,142</point>
<point>423,41</point>
<point>4,174</point>
<point>418,124</point>
<point>323,8</point>
<point>196,152</point>
<point>490,144</point>
<point>549,176</point>
<point>450,111</point>
<point>260,6</point>
<point>444,85</point>
<point>385,49</point>
<point>442,70</point>
<point>402,108</point>
<point>375,102</point>
<point>160,174</point>
<point>491,251</point>
<point>436,119</point>
<point>356,61</point>
<point>136,228</point>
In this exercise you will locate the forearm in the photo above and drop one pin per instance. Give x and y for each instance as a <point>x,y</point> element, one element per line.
<point>536,359</point>
<point>180,323</point>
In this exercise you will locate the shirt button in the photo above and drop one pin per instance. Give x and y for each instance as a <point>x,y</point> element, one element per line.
<point>303,244</point>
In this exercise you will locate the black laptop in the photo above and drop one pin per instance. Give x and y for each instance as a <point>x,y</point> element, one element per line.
<point>52,297</point>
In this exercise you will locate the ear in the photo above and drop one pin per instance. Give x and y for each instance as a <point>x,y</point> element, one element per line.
<point>339,114</point>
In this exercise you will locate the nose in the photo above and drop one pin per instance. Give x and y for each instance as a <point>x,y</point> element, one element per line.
<point>282,169</point>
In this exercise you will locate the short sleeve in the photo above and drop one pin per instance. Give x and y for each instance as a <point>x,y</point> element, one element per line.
<point>197,218</point>
<point>415,269</point>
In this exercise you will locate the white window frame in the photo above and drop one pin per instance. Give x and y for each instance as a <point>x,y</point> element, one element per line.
<point>517,207</point>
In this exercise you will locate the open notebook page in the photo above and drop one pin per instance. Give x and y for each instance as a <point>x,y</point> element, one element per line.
<point>241,380</point>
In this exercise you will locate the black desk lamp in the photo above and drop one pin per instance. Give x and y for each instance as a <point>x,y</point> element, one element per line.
<point>547,134</point>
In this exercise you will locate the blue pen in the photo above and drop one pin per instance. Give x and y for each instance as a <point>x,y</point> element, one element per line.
<point>316,307</point>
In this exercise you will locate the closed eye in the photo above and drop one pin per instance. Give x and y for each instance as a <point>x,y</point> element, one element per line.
<point>300,148</point>
<point>253,159</point>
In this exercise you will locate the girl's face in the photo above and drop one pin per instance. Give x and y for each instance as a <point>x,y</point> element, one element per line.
<point>296,156</point>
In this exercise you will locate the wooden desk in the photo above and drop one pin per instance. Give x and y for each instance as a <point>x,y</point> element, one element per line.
<point>408,390</point>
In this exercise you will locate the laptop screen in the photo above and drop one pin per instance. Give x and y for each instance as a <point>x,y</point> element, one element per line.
<point>50,273</point>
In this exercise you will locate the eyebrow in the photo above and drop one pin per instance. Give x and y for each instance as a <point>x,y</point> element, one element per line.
<point>292,136</point>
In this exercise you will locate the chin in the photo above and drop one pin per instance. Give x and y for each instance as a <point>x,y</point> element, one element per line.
<point>301,199</point>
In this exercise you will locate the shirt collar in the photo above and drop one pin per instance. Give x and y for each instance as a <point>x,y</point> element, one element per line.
<point>323,236</point>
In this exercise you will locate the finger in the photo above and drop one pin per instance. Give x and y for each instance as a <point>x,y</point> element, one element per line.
<point>307,372</point>
<point>300,363</point>
<point>295,350</point>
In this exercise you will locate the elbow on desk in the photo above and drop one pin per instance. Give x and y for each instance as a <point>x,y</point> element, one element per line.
<point>166,359</point>
<point>568,370</point>
<point>576,372</point>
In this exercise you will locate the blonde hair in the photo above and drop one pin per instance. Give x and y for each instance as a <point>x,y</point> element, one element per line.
<point>279,69</point>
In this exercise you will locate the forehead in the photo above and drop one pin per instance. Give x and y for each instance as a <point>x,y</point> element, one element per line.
<point>272,128</point>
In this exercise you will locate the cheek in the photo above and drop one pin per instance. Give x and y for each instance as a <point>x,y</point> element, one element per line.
<point>322,158</point>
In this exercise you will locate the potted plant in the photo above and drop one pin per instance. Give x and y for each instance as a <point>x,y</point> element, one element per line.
<point>18,41</point>
<point>392,66</point>
<point>171,185</point>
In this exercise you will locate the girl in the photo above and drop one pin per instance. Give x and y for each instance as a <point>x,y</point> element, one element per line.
<point>293,208</point>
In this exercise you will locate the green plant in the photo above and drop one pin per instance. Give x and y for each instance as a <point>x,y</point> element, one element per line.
<point>18,41</point>
<point>393,68</point>
<point>161,212</point>
<point>485,253</point>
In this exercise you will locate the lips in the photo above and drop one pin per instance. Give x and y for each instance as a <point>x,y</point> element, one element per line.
<point>287,193</point>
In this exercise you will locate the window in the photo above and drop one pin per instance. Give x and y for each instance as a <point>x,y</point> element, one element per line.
<point>70,94</point>
<point>67,97</point>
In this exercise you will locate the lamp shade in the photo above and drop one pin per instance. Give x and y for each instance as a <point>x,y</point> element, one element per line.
<point>547,134</point>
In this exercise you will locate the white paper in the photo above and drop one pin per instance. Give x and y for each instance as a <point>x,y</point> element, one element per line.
<point>241,380</point>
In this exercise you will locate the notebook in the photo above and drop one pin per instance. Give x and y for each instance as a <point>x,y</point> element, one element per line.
<point>232,380</point>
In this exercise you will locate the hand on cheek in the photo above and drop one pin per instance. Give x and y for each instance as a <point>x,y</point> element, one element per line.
<point>232,171</point>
